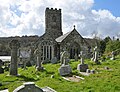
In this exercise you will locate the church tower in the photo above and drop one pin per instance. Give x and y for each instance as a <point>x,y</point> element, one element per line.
<point>53,22</point>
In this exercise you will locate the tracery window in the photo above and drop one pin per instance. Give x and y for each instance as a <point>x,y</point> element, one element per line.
<point>47,50</point>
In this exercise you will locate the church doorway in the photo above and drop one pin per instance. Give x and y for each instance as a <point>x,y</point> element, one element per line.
<point>74,50</point>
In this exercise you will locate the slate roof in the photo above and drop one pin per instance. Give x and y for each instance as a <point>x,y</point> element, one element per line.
<point>61,38</point>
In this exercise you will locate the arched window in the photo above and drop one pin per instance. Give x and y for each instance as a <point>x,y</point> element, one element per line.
<point>74,49</point>
<point>47,48</point>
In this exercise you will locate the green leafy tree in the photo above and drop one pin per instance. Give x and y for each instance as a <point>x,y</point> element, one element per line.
<point>112,46</point>
<point>102,44</point>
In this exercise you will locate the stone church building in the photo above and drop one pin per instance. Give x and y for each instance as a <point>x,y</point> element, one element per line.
<point>53,41</point>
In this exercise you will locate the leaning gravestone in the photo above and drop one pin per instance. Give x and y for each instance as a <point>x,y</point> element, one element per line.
<point>14,45</point>
<point>65,68</point>
<point>28,87</point>
<point>1,69</point>
<point>38,53</point>
<point>82,67</point>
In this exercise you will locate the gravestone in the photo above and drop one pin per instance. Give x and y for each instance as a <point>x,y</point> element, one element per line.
<point>64,58</point>
<point>1,69</point>
<point>54,60</point>
<point>113,55</point>
<point>14,45</point>
<point>65,68</point>
<point>96,55</point>
<point>82,67</point>
<point>24,55</point>
<point>32,58</point>
<point>38,53</point>
<point>28,87</point>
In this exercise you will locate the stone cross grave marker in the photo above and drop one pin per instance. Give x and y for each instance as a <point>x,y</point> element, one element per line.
<point>14,45</point>
<point>65,68</point>
<point>82,67</point>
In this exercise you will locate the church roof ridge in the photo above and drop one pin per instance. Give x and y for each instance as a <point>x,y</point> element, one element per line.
<point>61,38</point>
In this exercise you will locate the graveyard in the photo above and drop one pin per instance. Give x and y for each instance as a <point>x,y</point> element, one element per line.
<point>59,62</point>
<point>106,77</point>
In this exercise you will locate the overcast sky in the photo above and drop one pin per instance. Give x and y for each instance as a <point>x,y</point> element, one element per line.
<point>26,17</point>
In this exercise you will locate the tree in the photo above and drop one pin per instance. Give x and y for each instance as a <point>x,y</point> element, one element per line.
<point>107,39</point>
<point>112,46</point>
<point>102,46</point>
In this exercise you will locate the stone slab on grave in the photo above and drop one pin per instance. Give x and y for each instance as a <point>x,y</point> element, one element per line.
<point>48,89</point>
<point>73,78</point>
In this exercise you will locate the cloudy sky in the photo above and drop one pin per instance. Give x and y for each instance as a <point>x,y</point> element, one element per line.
<point>26,17</point>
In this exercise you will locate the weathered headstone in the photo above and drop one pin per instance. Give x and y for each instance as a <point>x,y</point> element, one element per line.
<point>1,69</point>
<point>96,55</point>
<point>64,59</point>
<point>82,67</point>
<point>65,68</point>
<point>24,55</point>
<point>32,57</point>
<point>38,53</point>
<point>28,87</point>
<point>14,45</point>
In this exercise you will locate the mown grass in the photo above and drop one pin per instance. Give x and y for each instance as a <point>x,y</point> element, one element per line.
<point>102,81</point>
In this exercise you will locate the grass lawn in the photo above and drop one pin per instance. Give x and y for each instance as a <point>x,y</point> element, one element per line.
<point>103,81</point>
